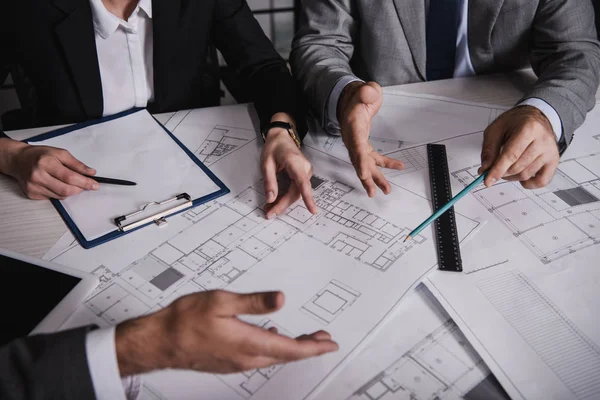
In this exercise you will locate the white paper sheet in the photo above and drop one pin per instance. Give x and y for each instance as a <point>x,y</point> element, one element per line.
<point>529,298</point>
<point>134,148</point>
<point>419,354</point>
<point>343,270</point>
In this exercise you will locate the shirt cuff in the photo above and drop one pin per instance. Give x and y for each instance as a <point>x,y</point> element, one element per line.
<point>104,369</point>
<point>548,111</point>
<point>332,124</point>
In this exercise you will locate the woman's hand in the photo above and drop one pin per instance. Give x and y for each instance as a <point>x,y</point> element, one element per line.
<point>45,172</point>
<point>280,154</point>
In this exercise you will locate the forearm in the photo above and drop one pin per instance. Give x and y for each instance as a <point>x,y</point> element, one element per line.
<point>322,49</point>
<point>275,92</point>
<point>8,151</point>
<point>566,57</point>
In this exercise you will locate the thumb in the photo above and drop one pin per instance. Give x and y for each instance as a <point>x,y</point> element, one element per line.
<point>230,304</point>
<point>371,95</point>
<point>492,144</point>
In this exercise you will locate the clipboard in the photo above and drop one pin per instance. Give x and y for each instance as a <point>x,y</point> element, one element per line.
<point>156,207</point>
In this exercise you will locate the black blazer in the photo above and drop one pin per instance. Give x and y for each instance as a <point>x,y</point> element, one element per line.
<point>54,42</point>
<point>44,367</point>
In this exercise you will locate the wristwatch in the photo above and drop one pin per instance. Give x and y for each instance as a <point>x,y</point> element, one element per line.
<point>287,126</point>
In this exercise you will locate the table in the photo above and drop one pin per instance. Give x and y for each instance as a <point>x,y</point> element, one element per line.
<point>33,227</point>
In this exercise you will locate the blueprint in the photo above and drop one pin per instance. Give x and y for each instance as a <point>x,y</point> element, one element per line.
<point>531,281</point>
<point>343,270</point>
<point>420,354</point>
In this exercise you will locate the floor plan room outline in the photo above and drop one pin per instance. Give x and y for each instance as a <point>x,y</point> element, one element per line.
<point>330,302</point>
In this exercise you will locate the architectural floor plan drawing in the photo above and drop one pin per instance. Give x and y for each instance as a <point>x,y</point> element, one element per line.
<point>343,269</point>
<point>441,366</point>
<point>222,141</point>
<point>420,354</point>
<point>203,259</point>
<point>554,221</point>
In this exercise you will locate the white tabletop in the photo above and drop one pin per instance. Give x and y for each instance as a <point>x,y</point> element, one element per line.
<point>33,227</point>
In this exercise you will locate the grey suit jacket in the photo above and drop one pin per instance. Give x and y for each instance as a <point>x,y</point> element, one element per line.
<point>384,41</point>
<point>46,367</point>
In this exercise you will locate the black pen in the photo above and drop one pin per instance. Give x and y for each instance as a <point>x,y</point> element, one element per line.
<point>111,181</point>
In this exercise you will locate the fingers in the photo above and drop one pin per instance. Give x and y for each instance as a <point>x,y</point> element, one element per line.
<point>289,198</point>
<point>542,178</point>
<point>285,349</point>
<point>363,166</point>
<point>380,181</point>
<point>511,153</point>
<point>67,159</point>
<point>386,162</point>
<point>531,153</point>
<point>492,143</point>
<point>530,171</point>
<point>72,179</point>
<point>301,180</point>
<point>269,172</point>
<point>61,189</point>
<point>228,304</point>
<point>319,335</point>
<point>37,192</point>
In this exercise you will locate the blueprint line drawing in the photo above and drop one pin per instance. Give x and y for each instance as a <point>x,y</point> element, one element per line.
<point>527,309</point>
<point>222,141</point>
<point>330,302</point>
<point>238,242</point>
<point>414,159</point>
<point>554,221</point>
<point>249,382</point>
<point>438,367</point>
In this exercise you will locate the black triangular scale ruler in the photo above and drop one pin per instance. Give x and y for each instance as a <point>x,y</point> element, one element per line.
<point>446,235</point>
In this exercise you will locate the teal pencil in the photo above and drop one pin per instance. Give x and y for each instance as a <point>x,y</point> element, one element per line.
<point>445,208</point>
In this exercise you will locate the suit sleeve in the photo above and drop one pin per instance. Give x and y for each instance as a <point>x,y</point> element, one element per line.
<point>251,54</point>
<point>565,55</point>
<point>322,50</point>
<point>49,366</point>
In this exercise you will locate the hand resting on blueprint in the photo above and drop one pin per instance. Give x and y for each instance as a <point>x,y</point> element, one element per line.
<point>280,154</point>
<point>44,172</point>
<point>201,332</point>
<point>520,145</point>
<point>358,104</point>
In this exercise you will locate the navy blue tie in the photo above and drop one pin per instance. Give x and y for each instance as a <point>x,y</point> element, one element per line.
<point>442,28</point>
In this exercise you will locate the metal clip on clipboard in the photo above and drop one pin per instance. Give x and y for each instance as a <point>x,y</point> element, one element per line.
<point>158,218</point>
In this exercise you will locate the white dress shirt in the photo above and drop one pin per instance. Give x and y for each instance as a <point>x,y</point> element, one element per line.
<point>125,57</point>
<point>462,68</point>
<point>126,68</point>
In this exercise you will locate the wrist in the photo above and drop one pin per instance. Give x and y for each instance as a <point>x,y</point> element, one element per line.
<point>9,153</point>
<point>276,134</point>
<point>141,345</point>
<point>345,97</point>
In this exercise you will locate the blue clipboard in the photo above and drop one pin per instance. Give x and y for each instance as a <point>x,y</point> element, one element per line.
<point>87,244</point>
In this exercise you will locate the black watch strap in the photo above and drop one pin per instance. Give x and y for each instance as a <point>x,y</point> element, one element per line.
<point>284,125</point>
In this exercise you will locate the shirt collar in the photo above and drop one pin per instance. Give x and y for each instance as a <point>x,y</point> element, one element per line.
<point>106,23</point>
<point>146,6</point>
